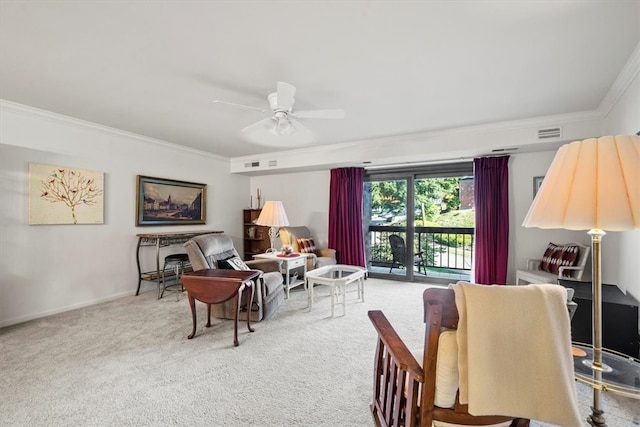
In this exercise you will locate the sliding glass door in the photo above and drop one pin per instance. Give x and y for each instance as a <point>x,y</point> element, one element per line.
<point>419,223</point>
<point>387,213</point>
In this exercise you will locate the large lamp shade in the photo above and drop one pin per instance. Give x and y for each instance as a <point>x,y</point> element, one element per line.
<point>273,216</point>
<point>593,183</point>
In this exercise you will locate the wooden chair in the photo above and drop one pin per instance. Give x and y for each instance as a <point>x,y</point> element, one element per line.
<point>404,394</point>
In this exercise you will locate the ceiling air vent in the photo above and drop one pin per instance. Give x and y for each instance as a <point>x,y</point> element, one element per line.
<point>550,133</point>
<point>252,165</point>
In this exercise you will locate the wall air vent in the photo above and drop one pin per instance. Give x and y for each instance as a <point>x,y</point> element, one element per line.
<point>504,150</point>
<point>252,165</point>
<point>550,133</point>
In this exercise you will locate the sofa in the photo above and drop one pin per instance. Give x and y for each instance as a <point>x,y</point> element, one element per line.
<point>208,250</point>
<point>302,241</point>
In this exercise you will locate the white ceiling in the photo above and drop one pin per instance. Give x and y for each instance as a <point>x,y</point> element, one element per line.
<point>396,67</point>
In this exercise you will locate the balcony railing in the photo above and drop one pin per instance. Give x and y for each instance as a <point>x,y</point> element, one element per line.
<point>443,248</point>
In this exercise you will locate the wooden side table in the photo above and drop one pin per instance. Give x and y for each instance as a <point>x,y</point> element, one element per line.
<point>213,286</point>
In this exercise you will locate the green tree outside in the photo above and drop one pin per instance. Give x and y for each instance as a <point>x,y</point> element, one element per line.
<point>437,204</point>
<point>434,198</point>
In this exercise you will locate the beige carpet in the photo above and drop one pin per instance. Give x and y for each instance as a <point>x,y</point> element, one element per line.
<point>129,363</point>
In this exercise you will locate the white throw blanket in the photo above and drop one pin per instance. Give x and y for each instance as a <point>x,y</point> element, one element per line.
<point>514,346</point>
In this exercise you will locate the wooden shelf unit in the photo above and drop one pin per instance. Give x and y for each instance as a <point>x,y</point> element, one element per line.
<point>260,242</point>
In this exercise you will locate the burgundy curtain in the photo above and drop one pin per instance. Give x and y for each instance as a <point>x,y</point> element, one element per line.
<point>491,188</point>
<point>345,215</point>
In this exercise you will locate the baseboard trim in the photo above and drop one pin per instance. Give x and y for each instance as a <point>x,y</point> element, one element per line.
<point>15,321</point>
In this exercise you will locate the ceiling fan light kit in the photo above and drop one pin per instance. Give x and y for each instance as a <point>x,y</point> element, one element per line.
<point>281,129</point>
<point>280,124</point>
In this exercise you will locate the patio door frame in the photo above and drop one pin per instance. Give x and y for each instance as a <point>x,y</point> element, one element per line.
<point>410,175</point>
<point>410,214</point>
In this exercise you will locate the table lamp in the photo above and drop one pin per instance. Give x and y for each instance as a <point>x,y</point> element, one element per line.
<point>592,185</point>
<point>273,216</point>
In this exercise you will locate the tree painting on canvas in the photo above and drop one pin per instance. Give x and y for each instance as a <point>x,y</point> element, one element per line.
<point>62,195</point>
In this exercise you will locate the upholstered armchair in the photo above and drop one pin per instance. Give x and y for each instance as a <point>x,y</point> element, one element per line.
<point>206,251</point>
<point>302,241</point>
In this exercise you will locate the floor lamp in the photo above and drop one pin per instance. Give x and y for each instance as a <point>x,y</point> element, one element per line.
<point>592,185</point>
<point>273,216</point>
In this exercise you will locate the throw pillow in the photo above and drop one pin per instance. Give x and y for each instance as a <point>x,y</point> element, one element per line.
<point>306,246</point>
<point>233,263</point>
<point>570,255</point>
<point>548,258</point>
<point>559,256</point>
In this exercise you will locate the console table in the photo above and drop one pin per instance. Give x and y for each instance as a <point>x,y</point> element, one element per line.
<point>214,286</point>
<point>160,240</point>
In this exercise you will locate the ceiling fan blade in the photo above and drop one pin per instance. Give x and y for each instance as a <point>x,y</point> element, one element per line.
<point>262,125</point>
<point>233,104</point>
<point>300,131</point>
<point>285,95</point>
<point>319,114</point>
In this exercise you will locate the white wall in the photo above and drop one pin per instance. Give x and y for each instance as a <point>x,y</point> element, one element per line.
<point>305,196</point>
<point>52,268</point>
<point>620,249</point>
<point>527,243</point>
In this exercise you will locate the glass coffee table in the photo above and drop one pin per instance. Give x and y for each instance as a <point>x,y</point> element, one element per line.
<point>336,277</point>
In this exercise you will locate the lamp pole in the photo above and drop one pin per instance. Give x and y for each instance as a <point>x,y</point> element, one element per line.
<point>597,414</point>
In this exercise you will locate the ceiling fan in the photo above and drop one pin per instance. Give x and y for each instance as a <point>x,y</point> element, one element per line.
<point>282,128</point>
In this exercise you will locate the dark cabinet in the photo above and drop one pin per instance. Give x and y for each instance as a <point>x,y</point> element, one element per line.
<point>619,317</point>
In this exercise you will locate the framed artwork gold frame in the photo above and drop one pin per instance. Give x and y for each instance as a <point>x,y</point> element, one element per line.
<point>161,201</point>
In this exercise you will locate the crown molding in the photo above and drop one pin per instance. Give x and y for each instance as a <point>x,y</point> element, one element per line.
<point>624,79</point>
<point>38,113</point>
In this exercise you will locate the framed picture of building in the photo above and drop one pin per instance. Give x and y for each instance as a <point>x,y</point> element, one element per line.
<point>537,183</point>
<point>169,202</point>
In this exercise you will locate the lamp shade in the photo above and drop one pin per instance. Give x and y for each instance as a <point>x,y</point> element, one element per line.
<point>591,184</point>
<point>273,215</point>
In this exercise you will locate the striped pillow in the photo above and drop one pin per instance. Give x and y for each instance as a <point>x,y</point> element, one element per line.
<point>559,256</point>
<point>306,246</point>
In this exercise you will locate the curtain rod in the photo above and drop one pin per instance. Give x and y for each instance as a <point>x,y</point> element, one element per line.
<point>431,162</point>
